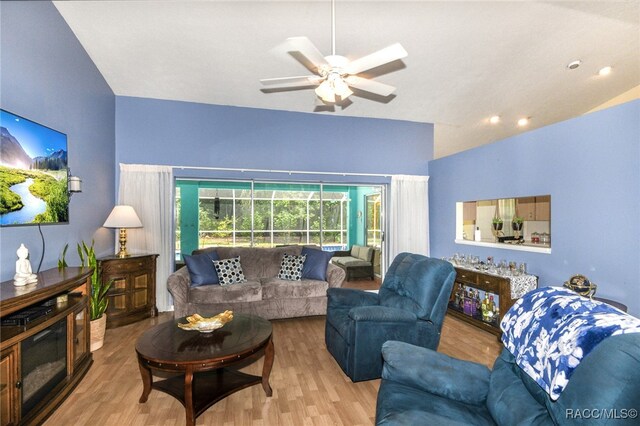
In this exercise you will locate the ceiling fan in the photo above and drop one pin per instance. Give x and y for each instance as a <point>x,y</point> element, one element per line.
<point>335,75</point>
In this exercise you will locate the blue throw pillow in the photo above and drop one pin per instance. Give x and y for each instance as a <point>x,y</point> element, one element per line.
<point>315,265</point>
<point>201,269</point>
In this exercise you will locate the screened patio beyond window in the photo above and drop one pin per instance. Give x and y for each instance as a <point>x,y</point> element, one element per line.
<point>221,213</point>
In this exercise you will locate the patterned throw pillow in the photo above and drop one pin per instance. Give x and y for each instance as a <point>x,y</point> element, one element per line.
<point>229,271</point>
<point>291,267</point>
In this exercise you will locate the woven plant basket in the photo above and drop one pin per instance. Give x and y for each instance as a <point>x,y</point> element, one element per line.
<point>98,328</point>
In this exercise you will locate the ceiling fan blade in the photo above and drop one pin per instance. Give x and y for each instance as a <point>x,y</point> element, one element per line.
<point>381,57</point>
<point>306,80</point>
<point>308,50</point>
<point>370,86</point>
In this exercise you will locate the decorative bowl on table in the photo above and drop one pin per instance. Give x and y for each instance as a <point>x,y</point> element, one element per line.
<point>196,322</point>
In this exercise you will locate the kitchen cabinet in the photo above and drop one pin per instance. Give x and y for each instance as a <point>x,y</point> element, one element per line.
<point>534,208</point>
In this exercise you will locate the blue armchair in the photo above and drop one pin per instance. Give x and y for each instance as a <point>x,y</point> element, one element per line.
<point>409,307</point>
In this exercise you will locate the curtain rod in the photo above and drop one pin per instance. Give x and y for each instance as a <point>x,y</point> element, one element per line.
<point>290,172</point>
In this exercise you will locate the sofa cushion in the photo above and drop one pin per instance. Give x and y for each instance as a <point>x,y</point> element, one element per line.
<point>201,268</point>
<point>276,288</point>
<point>509,400</point>
<point>365,254</point>
<point>229,271</point>
<point>532,387</point>
<point>399,404</point>
<point>350,261</point>
<point>315,265</point>
<point>249,291</point>
<point>258,263</point>
<point>362,253</point>
<point>291,267</point>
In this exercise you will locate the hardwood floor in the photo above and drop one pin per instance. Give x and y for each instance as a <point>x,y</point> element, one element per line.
<point>309,388</point>
<point>364,284</point>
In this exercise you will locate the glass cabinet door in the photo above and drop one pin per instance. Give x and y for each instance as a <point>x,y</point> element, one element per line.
<point>140,291</point>
<point>80,332</point>
<point>118,295</point>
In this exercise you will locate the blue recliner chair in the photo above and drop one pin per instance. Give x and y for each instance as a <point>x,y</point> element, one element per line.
<point>423,387</point>
<point>409,307</point>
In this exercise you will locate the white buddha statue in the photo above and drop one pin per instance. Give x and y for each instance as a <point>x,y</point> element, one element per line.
<point>24,275</point>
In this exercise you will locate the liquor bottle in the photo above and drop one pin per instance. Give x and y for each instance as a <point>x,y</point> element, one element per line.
<point>485,308</point>
<point>492,309</point>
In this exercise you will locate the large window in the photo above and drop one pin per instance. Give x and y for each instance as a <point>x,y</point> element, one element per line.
<point>220,213</point>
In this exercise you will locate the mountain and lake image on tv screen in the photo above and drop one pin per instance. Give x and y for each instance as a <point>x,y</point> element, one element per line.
<point>33,173</point>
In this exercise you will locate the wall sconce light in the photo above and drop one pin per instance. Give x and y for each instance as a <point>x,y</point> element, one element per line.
<point>75,183</point>
<point>123,217</point>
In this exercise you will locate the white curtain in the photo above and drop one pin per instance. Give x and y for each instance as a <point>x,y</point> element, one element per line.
<point>409,215</point>
<point>149,190</point>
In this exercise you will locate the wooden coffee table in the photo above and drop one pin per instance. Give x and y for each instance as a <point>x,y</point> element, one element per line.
<point>205,361</point>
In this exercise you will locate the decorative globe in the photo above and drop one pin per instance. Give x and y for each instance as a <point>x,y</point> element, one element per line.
<point>581,285</point>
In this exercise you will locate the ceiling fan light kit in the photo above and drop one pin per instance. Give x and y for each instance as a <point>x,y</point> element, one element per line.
<point>332,88</point>
<point>335,74</point>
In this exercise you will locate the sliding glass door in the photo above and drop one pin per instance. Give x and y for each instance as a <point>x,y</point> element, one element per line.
<point>269,214</point>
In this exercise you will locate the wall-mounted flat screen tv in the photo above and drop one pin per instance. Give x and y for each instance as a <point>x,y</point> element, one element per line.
<point>33,173</point>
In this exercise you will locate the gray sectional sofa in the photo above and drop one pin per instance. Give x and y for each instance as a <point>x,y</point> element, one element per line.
<point>262,294</point>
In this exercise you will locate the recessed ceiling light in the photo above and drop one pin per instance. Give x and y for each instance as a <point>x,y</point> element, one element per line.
<point>495,119</point>
<point>605,71</point>
<point>574,64</point>
<point>523,122</point>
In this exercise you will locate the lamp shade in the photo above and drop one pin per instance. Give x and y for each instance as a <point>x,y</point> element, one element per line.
<point>123,217</point>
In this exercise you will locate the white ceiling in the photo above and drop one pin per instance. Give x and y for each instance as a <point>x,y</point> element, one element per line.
<point>467,60</point>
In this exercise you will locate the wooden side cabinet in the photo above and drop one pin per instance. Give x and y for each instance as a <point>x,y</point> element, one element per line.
<point>132,296</point>
<point>475,294</point>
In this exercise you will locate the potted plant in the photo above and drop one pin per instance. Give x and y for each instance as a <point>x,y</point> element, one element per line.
<point>497,223</point>
<point>516,223</point>
<point>98,300</point>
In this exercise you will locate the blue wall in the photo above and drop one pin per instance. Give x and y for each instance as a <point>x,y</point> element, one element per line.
<point>48,77</point>
<point>591,167</point>
<point>150,131</point>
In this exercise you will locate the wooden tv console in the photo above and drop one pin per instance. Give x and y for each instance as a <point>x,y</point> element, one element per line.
<point>66,291</point>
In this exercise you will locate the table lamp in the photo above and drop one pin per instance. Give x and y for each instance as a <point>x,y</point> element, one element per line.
<point>123,217</point>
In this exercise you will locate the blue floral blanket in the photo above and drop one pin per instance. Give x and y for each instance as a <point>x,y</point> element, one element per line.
<point>551,329</point>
